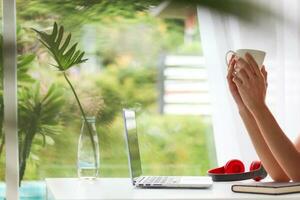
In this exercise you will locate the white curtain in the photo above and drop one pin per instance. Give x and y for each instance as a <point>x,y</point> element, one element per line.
<point>279,37</point>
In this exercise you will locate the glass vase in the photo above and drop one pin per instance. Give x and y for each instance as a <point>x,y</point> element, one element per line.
<point>87,156</point>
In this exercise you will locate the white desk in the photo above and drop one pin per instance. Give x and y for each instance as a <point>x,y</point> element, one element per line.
<point>121,188</point>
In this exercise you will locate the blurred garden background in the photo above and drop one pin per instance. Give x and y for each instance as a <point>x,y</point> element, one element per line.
<point>124,44</point>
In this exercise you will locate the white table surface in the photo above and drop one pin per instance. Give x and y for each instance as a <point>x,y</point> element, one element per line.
<point>121,188</point>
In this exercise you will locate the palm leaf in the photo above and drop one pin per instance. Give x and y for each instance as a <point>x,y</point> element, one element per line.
<point>39,116</point>
<point>64,57</point>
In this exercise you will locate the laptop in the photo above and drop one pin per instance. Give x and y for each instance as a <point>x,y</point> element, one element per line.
<point>135,168</point>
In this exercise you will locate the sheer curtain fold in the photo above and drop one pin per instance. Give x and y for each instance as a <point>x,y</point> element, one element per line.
<point>279,37</point>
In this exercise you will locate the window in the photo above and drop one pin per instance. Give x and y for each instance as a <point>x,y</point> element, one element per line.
<point>123,48</point>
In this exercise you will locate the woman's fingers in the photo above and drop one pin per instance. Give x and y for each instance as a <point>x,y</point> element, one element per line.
<point>237,81</point>
<point>229,72</point>
<point>242,75</point>
<point>230,69</point>
<point>265,74</point>
<point>252,63</point>
<point>242,64</point>
<point>231,61</point>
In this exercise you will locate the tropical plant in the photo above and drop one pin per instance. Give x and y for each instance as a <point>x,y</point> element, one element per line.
<point>38,114</point>
<point>1,98</point>
<point>65,58</point>
<point>24,79</point>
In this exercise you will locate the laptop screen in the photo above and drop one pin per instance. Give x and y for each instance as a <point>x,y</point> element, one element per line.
<point>132,143</point>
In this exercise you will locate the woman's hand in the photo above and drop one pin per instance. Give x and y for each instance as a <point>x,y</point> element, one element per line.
<point>232,86</point>
<point>250,82</point>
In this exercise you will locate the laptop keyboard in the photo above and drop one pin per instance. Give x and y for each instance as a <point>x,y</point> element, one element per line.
<point>161,180</point>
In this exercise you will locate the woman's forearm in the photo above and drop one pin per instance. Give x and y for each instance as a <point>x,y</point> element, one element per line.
<point>261,147</point>
<point>281,147</point>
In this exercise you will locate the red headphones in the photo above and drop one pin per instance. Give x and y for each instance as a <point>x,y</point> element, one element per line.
<point>234,170</point>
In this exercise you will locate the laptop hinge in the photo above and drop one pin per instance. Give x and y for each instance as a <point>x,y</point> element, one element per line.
<point>138,179</point>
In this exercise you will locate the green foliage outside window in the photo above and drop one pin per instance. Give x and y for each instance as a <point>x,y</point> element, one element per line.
<point>129,43</point>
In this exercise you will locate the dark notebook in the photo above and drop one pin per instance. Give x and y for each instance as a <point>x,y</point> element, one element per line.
<point>273,188</point>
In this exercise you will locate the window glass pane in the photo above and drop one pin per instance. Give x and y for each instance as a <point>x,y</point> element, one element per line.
<point>135,60</point>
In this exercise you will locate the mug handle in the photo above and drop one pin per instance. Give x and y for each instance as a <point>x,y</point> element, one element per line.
<point>226,56</point>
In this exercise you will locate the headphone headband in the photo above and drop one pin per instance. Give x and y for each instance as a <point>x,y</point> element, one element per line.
<point>260,172</point>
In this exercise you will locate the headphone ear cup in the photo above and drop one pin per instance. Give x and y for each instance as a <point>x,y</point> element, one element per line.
<point>234,166</point>
<point>255,165</point>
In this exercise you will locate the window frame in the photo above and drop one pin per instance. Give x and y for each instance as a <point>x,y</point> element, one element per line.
<point>10,123</point>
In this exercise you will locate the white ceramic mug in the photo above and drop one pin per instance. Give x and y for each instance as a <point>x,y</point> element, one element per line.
<point>258,55</point>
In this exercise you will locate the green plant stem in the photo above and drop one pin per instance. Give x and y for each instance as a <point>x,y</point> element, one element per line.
<point>83,114</point>
<point>25,154</point>
<point>2,144</point>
